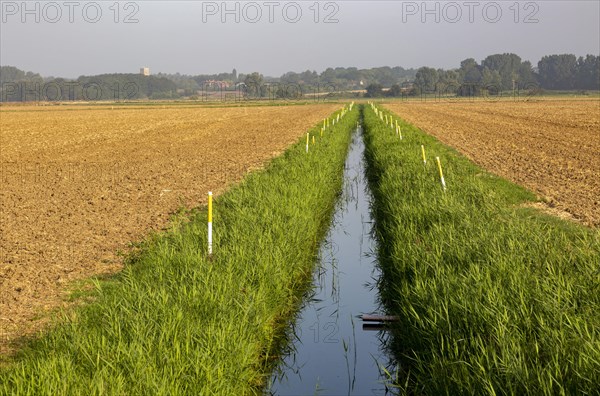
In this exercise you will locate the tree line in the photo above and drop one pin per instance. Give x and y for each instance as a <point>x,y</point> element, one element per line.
<point>19,86</point>
<point>502,72</point>
<point>493,75</point>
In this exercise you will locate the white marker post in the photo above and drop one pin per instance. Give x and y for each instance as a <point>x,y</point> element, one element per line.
<point>210,223</point>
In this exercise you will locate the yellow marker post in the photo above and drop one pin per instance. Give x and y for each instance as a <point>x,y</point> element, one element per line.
<point>439,164</point>
<point>307,134</point>
<point>424,157</point>
<point>210,223</point>
<point>321,132</point>
<point>313,139</point>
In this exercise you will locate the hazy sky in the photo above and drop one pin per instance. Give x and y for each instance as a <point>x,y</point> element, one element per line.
<point>73,38</point>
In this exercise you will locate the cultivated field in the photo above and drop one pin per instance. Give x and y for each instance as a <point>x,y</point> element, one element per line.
<point>78,185</point>
<point>551,146</point>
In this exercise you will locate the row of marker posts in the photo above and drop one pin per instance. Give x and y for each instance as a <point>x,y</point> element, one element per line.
<point>390,121</point>
<point>326,125</point>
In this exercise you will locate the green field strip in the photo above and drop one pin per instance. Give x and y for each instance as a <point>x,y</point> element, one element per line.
<point>175,321</point>
<point>492,297</point>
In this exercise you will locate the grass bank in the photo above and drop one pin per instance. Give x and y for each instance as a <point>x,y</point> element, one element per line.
<point>492,297</point>
<point>176,322</point>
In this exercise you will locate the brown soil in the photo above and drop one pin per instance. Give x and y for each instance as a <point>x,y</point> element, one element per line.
<point>77,185</point>
<point>550,147</point>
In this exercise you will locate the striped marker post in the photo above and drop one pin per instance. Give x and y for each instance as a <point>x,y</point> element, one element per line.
<point>210,247</point>
<point>439,164</point>
<point>424,157</point>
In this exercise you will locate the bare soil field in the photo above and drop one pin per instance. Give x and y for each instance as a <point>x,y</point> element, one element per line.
<point>551,147</point>
<point>78,185</point>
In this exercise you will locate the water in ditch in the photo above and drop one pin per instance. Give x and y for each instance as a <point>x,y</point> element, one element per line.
<point>331,353</point>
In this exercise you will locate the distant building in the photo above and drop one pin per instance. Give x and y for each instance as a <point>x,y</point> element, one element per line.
<point>145,71</point>
<point>216,84</point>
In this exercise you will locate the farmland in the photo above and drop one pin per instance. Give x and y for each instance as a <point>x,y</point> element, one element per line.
<point>548,146</point>
<point>79,184</point>
<point>491,296</point>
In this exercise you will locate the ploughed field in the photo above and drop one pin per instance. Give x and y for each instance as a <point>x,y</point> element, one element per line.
<point>549,146</point>
<point>79,184</point>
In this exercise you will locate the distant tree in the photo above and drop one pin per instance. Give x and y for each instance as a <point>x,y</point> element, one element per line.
<point>469,71</point>
<point>290,78</point>
<point>328,76</point>
<point>374,90</point>
<point>588,72</point>
<point>526,77</point>
<point>558,71</point>
<point>395,91</point>
<point>491,81</point>
<point>448,81</point>
<point>507,66</point>
<point>309,77</point>
<point>470,78</point>
<point>255,86</point>
<point>426,79</point>
<point>234,75</point>
<point>11,74</point>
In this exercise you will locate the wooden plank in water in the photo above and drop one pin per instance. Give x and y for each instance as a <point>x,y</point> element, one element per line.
<point>377,326</point>
<point>379,318</point>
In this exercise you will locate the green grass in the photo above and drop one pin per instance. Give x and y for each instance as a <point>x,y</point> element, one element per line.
<point>176,322</point>
<point>492,298</point>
